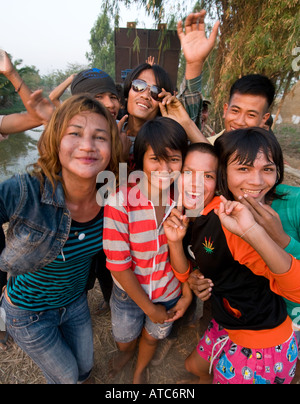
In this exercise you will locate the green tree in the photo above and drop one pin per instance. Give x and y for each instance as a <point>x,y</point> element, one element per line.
<point>31,77</point>
<point>256,36</point>
<point>52,80</point>
<point>102,53</point>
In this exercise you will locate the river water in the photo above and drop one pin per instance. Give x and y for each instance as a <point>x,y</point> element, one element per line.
<point>18,151</point>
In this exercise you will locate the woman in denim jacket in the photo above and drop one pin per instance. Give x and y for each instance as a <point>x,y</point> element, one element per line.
<point>54,234</point>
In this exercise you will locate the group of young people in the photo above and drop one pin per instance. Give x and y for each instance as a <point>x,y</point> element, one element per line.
<point>163,233</point>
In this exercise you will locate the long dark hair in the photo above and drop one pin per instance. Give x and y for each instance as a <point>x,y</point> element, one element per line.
<point>244,144</point>
<point>162,78</point>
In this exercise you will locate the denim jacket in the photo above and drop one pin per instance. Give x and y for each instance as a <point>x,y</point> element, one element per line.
<point>39,223</point>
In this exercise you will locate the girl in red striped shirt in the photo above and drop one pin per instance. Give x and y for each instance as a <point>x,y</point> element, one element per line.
<point>146,296</point>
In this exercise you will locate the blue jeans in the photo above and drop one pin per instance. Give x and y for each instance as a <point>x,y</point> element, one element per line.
<point>128,319</point>
<point>59,341</point>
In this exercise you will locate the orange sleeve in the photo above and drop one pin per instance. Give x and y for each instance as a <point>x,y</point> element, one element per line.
<point>182,277</point>
<point>286,285</point>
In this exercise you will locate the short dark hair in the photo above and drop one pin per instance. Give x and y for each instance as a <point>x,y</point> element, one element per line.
<point>160,133</point>
<point>254,84</point>
<point>245,144</point>
<point>269,121</point>
<point>202,148</point>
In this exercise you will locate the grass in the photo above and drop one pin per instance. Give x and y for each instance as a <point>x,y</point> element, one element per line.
<point>289,139</point>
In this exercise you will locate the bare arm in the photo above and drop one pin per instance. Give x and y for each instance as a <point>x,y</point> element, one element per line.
<point>15,123</point>
<point>20,122</point>
<point>41,111</point>
<point>55,95</point>
<point>268,219</point>
<point>238,219</point>
<point>196,47</point>
<point>175,227</point>
<point>129,282</point>
<point>172,108</point>
<point>8,70</point>
<point>183,303</point>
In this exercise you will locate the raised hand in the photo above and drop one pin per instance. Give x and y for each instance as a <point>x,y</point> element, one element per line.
<point>125,141</point>
<point>40,107</point>
<point>150,60</point>
<point>268,219</point>
<point>171,107</point>
<point>195,45</point>
<point>6,67</point>
<point>235,216</point>
<point>175,226</point>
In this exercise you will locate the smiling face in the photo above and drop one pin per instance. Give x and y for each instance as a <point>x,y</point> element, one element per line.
<point>245,110</point>
<point>85,148</point>
<point>254,179</point>
<point>141,105</point>
<point>110,101</point>
<point>198,179</point>
<point>161,173</point>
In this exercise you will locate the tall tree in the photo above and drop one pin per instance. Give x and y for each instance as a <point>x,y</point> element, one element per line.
<point>56,77</point>
<point>256,36</point>
<point>102,53</point>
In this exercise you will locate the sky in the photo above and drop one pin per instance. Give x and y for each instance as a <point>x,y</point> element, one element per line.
<point>51,34</point>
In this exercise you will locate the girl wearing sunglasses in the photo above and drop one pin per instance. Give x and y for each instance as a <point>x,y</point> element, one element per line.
<point>143,90</point>
<point>149,92</point>
<point>142,85</point>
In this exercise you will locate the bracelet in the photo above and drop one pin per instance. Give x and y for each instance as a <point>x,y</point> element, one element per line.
<point>18,89</point>
<point>249,229</point>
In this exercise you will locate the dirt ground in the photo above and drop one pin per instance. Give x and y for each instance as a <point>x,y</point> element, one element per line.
<point>17,368</point>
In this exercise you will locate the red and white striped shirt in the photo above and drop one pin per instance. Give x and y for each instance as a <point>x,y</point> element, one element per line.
<point>132,239</point>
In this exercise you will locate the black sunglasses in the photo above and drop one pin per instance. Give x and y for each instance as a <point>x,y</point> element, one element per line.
<point>140,85</point>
